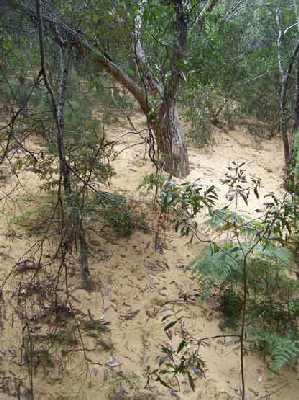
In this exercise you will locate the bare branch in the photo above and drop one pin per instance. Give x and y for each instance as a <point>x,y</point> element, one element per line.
<point>290,27</point>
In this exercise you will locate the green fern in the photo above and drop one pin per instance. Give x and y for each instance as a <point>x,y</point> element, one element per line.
<point>278,254</point>
<point>272,305</point>
<point>217,265</point>
<point>280,350</point>
<point>224,219</point>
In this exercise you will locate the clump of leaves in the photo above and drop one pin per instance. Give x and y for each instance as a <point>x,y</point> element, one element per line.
<point>152,182</point>
<point>180,357</point>
<point>183,202</point>
<point>238,183</point>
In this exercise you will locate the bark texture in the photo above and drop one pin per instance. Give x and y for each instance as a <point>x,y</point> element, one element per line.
<point>171,141</point>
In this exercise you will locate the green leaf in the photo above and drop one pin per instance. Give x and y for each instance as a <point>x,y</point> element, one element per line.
<point>170,325</point>
<point>181,346</point>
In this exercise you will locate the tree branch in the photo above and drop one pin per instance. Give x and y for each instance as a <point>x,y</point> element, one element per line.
<point>79,40</point>
<point>149,81</point>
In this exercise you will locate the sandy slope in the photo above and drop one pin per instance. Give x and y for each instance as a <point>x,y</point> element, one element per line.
<point>136,287</point>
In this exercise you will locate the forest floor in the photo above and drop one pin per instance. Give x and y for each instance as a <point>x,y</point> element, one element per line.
<point>135,288</point>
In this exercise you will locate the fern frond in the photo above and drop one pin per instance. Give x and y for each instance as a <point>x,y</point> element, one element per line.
<point>280,255</point>
<point>224,219</point>
<point>280,350</point>
<point>219,264</point>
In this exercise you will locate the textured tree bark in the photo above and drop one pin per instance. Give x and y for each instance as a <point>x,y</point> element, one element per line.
<point>169,132</point>
<point>295,165</point>
<point>283,109</point>
<point>296,110</point>
<point>284,127</point>
<point>171,142</point>
<point>83,247</point>
<point>296,196</point>
<point>283,92</point>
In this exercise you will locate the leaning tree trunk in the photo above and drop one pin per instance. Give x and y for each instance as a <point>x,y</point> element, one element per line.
<point>171,145</point>
<point>169,134</point>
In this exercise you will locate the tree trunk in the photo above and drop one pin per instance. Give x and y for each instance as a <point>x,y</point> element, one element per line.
<point>72,225</point>
<point>63,164</point>
<point>172,150</point>
<point>169,134</point>
<point>296,194</point>
<point>171,145</point>
<point>84,267</point>
<point>295,165</point>
<point>284,127</point>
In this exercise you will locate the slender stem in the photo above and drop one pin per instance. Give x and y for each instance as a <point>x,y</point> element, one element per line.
<point>243,326</point>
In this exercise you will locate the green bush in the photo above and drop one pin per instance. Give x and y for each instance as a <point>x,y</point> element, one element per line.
<point>272,308</point>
